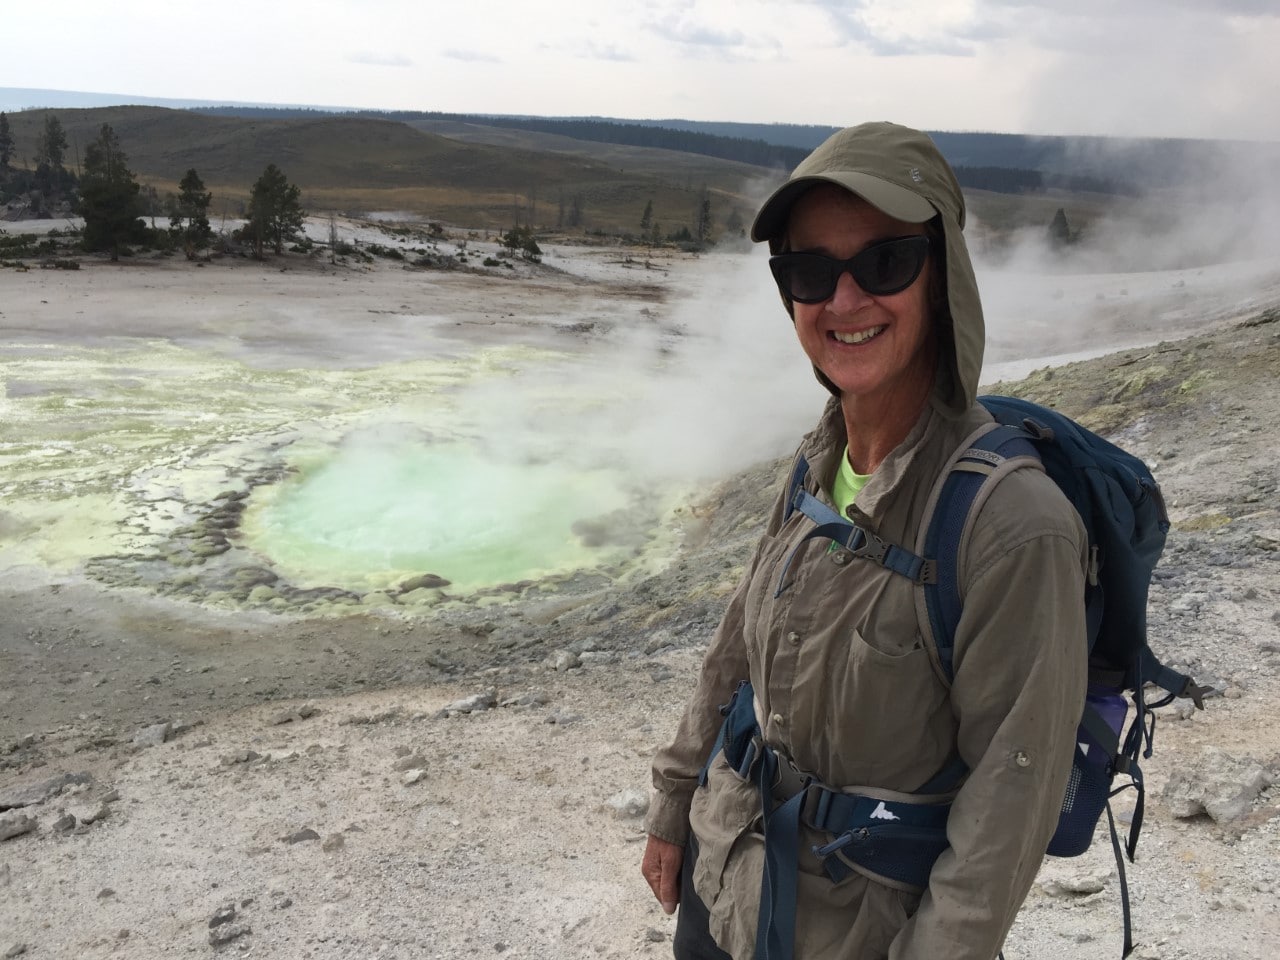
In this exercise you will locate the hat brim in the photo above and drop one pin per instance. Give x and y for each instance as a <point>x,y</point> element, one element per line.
<point>898,202</point>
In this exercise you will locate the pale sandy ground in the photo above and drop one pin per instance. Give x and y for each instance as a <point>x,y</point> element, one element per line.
<point>521,836</point>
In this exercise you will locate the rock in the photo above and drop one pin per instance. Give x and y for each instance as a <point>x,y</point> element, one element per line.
<point>99,813</point>
<point>153,735</point>
<point>224,914</point>
<point>564,660</point>
<point>660,673</point>
<point>64,824</point>
<point>474,704</point>
<point>240,756</point>
<point>228,932</point>
<point>1077,886</point>
<point>13,950</point>
<point>654,935</point>
<point>529,699</point>
<point>333,842</point>
<point>306,833</point>
<point>659,640</point>
<point>606,611</point>
<point>631,802</point>
<point>106,892</point>
<point>1188,603</point>
<point>304,712</point>
<point>413,776</point>
<point>29,794</point>
<point>425,581</point>
<point>414,761</point>
<point>15,825</point>
<point>1215,784</point>
<point>563,719</point>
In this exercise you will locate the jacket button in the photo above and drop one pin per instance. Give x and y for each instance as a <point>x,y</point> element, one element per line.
<point>1022,759</point>
<point>779,719</point>
<point>793,637</point>
<point>840,558</point>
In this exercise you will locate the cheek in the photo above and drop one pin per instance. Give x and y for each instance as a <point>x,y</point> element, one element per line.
<point>805,318</point>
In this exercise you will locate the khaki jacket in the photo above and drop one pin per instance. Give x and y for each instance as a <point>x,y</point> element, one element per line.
<point>846,688</point>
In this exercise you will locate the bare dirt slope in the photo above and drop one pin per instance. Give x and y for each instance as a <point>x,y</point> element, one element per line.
<point>184,780</point>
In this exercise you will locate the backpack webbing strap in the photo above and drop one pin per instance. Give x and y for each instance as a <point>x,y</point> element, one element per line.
<point>1124,883</point>
<point>861,543</point>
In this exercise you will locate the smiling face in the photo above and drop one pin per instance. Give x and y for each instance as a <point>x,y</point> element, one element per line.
<point>879,351</point>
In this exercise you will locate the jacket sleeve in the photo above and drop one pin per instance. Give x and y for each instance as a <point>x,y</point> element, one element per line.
<point>1018,691</point>
<point>677,765</point>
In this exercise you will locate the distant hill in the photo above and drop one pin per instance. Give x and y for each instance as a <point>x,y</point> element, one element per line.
<point>357,163</point>
<point>599,174</point>
<point>15,99</point>
<point>1132,166</point>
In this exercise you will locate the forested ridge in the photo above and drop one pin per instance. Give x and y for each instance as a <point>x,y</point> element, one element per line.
<point>1001,163</point>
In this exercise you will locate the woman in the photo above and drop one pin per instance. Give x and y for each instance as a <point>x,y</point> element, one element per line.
<point>872,267</point>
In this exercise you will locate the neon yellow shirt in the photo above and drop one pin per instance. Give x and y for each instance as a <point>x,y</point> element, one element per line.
<point>847,485</point>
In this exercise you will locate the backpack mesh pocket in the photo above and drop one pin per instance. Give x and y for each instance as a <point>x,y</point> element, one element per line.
<point>1087,792</point>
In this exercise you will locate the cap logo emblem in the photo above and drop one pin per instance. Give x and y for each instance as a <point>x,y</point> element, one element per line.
<point>915,175</point>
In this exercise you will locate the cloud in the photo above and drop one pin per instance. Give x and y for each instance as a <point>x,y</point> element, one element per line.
<point>591,50</point>
<point>702,41</point>
<point>368,59</point>
<point>470,56</point>
<point>902,29</point>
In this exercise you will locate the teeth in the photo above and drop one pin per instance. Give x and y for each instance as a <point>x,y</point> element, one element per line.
<point>860,337</point>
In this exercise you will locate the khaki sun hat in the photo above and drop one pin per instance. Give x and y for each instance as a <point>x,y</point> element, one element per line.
<point>894,168</point>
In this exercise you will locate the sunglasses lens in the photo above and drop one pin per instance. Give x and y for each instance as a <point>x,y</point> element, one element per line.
<point>889,267</point>
<point>805,277</point>
<point>880,270</point>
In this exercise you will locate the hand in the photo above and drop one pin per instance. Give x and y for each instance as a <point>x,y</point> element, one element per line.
<point>661,867</point>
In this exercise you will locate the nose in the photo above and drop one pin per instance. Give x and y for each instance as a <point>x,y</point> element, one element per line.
<point>848,297</point>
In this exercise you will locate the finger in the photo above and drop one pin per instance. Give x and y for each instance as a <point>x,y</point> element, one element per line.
<point>668,891</point>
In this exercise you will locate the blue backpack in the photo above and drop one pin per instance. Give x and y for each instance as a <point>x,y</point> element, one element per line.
<point>1125,519</point>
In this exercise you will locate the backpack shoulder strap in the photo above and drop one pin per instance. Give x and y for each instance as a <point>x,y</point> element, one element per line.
<point>979,463</point>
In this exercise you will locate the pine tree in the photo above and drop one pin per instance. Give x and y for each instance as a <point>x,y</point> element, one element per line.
<point>275,213</point>
<point>51,143</point>
<point>109,196</point>
<point>6,142</point>
<point>702,219</point>
<point>51,176</point>
<point>1059,229</point>
<point>646,219</point>
<point>192,206</point>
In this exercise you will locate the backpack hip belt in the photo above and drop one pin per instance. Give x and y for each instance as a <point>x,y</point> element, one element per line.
<point>891,837</point>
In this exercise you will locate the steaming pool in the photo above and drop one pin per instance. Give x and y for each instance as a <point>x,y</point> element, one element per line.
<point>375,514</point>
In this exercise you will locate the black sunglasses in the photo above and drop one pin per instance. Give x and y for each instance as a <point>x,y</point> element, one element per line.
<point>883,268</point>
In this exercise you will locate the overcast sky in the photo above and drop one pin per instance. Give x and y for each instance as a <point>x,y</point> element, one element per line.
<point>1180,68</point>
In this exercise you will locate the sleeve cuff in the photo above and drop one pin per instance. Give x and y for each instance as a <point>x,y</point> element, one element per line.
<point>668,818</point>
